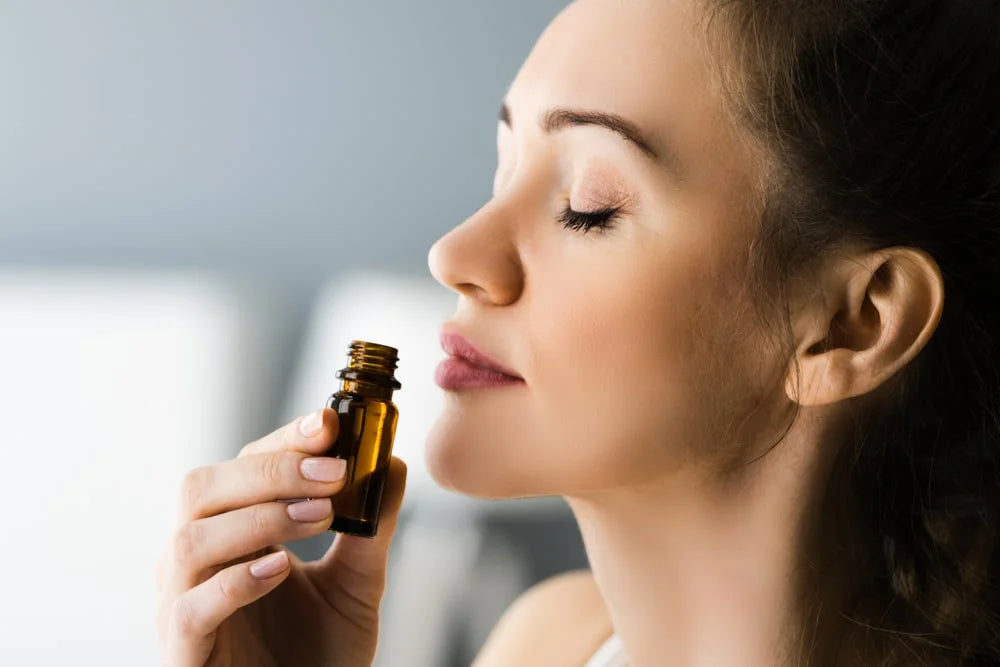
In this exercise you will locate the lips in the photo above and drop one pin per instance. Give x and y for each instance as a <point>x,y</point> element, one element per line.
<point>468,368</point>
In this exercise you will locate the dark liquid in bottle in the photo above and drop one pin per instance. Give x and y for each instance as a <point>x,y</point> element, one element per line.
<point>367,427</point>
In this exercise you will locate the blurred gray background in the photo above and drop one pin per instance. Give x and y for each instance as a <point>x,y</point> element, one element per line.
<point>181,183</point>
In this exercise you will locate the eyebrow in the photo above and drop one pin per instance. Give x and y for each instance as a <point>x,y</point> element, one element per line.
<point>557,119</point>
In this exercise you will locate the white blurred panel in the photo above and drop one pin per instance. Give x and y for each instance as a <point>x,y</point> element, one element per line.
<point>112,387</point>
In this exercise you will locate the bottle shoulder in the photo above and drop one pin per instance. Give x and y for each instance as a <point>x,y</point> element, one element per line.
<point>345,398</point>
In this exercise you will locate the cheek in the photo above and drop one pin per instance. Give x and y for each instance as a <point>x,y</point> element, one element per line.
<point>645,357</point>
<point>616,363</point>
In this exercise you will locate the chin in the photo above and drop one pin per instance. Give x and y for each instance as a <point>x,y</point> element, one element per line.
<point>455,464</point>
<point>493,465</point>
<point>475,461</point>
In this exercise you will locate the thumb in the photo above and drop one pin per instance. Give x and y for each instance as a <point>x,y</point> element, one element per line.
<point>365,558</point>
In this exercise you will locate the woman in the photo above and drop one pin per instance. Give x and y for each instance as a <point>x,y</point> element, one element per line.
<point>711,286</point>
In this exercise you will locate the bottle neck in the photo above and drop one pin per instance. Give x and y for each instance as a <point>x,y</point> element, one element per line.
<point>369,389</point>
<point>370,370</point>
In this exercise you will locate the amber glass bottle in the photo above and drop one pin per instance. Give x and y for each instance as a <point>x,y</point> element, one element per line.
<point>367,418</point>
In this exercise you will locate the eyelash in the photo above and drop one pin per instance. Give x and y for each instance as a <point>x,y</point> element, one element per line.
<point>585,221</point>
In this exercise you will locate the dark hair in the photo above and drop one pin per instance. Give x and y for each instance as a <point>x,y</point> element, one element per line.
<point>882,121</point>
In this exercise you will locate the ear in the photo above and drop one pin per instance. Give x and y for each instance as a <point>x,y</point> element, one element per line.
<point>874,314</point>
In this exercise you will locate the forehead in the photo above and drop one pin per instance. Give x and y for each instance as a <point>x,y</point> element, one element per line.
<point>646,60</point>
<point>637,56</point>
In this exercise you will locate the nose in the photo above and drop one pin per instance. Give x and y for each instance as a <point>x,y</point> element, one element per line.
<point>479,259</point>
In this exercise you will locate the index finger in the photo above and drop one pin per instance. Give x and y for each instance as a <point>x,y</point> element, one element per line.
<point>313,433</point>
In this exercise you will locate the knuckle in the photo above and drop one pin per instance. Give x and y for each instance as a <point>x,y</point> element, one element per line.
<point>184,618</point>
<point>228,590</point>
<point>272,468</point>
<point>194,486</point>
<point>185,543</point>
<point>258,523</point>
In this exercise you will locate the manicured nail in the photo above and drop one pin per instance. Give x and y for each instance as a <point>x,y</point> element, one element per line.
<point>311,424</point>
<point>270,565</point>
<point>323,469</point>
<point>310,510</point>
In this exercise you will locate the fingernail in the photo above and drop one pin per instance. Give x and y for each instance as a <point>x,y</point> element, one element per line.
<point>270,565</point>
<point>323,469</point>
<point>312,423</point>
<point>310,510</point>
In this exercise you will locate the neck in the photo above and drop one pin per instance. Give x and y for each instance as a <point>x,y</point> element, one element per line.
<point>703,570</point>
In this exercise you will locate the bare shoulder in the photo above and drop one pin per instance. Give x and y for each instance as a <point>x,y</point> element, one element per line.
<point>560,621</point>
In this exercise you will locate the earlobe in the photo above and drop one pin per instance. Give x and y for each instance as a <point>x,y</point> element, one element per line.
<point>876,313</point>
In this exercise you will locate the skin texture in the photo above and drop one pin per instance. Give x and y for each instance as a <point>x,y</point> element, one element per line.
<point>648,383</point>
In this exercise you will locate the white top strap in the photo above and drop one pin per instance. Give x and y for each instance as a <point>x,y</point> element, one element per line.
<point>610,654</point>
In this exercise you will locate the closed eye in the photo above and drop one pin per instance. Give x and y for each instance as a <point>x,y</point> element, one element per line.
<point>585,221</point>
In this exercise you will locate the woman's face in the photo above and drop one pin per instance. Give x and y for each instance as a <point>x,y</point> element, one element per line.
<point>634,340</point>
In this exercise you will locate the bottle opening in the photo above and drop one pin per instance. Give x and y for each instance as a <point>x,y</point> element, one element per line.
<point>371,362</point>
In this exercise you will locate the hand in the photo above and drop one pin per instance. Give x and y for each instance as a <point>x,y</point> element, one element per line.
<point>229,596</point>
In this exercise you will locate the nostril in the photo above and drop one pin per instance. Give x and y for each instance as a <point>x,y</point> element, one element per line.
<point>474,291</point>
